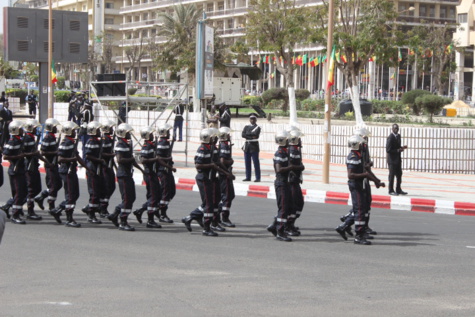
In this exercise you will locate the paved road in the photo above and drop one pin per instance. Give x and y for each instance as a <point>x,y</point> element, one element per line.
<point>419,265</point>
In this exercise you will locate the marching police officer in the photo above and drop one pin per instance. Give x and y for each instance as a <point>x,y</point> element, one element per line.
<point>108,174</point>
<point>125,159</point>
<point>33,178</point>
<point>94,162</point>
<point>13,152</point>
<point>295,179</point>
<point>226,182</point>
<point>49,150</point>
<point>282,190</point>
<point>165,170</point>
<point>68,157</point>
<point>205,167</point>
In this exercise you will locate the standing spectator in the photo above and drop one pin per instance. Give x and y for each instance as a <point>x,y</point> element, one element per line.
<point>122,117</point>
<point>394,150</point>
<point>178,124</point>
<point>3,98</point>
<point>224,116</point>
<point>6,116</point>
<point>32,103</point>
<point>251,133</point>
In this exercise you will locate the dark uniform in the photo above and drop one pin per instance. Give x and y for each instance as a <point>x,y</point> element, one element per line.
<point>108,175</point>
<point>394,150</point>
<point>297,201</point>
<point>94,181</point>
<point>68,174</point>
<point>282,190</point>
<point>179,110</point>
<point>205,186</point>
<point>32,102</point>
<point>152,182</point>
<point>53,180</point>
<point>355,162</point>
<point>125,179</point>
<point>225,182</point>
<point>166,177</point>
<point>225,117</point>
<point>33,178</point>
<point>251,150</point>
<point>16,172</point>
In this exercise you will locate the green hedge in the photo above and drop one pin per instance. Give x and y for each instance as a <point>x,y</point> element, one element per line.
<point>389,107</point>
<point>252,100</point>
<point>409,98</point>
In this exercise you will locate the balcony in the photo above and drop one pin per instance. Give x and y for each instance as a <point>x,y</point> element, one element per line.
<point>139,24</point>
<point>228,12</point>
<point>231,32</point>
<point>155,5</point>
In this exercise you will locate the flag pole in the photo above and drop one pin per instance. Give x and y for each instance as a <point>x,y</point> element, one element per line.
<point>328,101</point>
<point>50,59</point>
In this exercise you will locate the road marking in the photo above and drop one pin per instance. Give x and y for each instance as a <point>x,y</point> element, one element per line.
<point>470,246</point>
<point>59,303</point>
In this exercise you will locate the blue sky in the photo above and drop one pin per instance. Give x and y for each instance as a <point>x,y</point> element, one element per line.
<point>3,3</point>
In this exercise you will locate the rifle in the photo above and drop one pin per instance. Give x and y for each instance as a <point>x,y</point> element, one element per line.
<point>169,154</point>
<point>101,148</point>
<point>74,153</point>
<point>111,160</point>
<point>35,148</point>
<point>22,146</point>
<point>55,159</point>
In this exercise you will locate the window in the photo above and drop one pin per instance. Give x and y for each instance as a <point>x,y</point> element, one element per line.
<point>84,7</point>
<point>462,18</point>
<point>443,12</point>
<point>451,13</point>
<point>109,21</point>
<point>422,10</point>
<point>230,24</point>
<point>209,7</point>
<point>145,17</point>
<point>432,11</point>
<point>109,5</point>
<point>221,6</point>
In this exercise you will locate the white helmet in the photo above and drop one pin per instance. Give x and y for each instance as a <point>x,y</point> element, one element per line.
<point>123,129</point>
<point>92,127</point>
<point>163,129</point>
<point>30,125</point>
<point>15,127</point>
<point>364,132</point>
<point>68,127</point>
<point>107,126</point>
<point>224,133</point>
<point>205,136</point>
<point>145,132</point>
<point>354,141</point>
<point>294,137</point>
<point>281,138</point>
<point>50,123</point>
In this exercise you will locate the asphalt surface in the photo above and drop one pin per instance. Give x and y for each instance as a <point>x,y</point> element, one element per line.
<point>419,265</point>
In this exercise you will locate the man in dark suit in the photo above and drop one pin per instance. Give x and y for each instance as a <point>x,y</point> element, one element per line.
<point>251,133</point>
<point>394,150</point>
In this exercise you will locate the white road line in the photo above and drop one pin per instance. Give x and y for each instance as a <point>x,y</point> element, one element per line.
<point>59,303</point>
<point>470,246</point>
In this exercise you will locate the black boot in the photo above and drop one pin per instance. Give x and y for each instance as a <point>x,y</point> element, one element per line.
<point>138,213</point>
<point>103,211</point>
<point>114,216</point>
<point>56,213</point>
<point>124,225</point>
<point>5,208</point>
<point>31,212</point>
<point>39,200</point>
<point>216,227</point>
<point>207,230</point>
<point>187,221</point>
<point>343,218</point>
<point>16,218</point>
<point>92,216</point>
<point>272,228</point>
<point>51,205</point>
<point>361,240</point>
<point>225,220</point>
<point>282,236</point>
<point>70,221</point>
<point>151,222</point>
<point>163,216</point>
<point>341,229</point>
<point>86,209</point>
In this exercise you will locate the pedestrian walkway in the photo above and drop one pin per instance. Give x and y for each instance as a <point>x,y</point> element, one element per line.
<point>427,192</point>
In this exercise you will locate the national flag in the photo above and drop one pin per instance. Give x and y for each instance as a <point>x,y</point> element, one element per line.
<point>272,75</point>
<point>372,58</point>
<point>331,69</point>
<point>293,60</point>
<point>312,62</point>
<point>53,73</point>
<point>449,48</point>
<point>281,59</point>
<point>343,59</point>
<point>304,59</point>
<point>258,61</point>
<point>267,59</point>
<point>411,52</point>
<point>393,76</point>
<point>298,61</point>
<point>399,55</point>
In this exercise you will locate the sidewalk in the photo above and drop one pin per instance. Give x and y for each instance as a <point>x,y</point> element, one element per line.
<point>427,192</point>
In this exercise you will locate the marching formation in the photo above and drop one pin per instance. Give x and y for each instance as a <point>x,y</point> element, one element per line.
<point>108,156</point>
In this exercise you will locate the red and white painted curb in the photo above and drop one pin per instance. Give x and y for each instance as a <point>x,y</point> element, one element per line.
<point>328,197</point>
